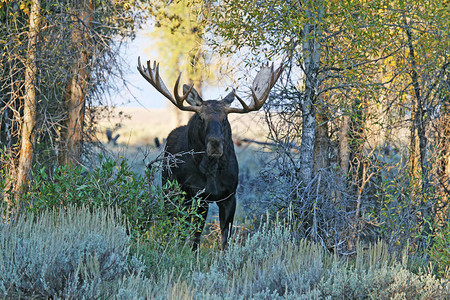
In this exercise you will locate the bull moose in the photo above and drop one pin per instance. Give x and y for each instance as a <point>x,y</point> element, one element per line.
<point>208,166</point>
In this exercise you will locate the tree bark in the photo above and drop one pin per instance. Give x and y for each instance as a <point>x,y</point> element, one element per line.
<point>418,112</point>
<point>322,143</point>
<point>311,53</point>
<point>419,124</point>
<point>308,141</point>
<point>413,155</point>
<point>344,146</point>
<point>27,135</point>
<point>77,86</point>
<point>443,165</point>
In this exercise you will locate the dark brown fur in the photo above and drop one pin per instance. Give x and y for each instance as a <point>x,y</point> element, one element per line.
<point>212,167</point>
<point>210,170</point>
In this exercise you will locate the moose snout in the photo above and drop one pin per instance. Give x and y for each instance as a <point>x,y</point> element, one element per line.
<point>214,146</point>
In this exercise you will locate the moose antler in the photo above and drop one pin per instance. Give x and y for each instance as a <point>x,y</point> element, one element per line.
<point>152,76</point>
<point>266,77</point>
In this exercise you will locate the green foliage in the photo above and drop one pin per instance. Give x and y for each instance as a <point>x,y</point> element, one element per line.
<point>158,213</point>
<point>179,33</point>
<point>173,217</point>
<point>440,251</point>
<point>163,259</point>
<point>401,205</point>
<point>395,210</point>
<point>112,184</point>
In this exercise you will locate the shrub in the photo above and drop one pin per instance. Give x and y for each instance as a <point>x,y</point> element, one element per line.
<point>271,264</point>
<point>376,274</point>
<point>440,250</point>
<point>266,265</point>
<point>81,254</point>
<point>112,184</point>
<point>150,209</point>
<point>73,253</point>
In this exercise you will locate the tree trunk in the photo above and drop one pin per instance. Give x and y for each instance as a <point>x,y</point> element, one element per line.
<point>322,143</point>
<point>311,52</point>
<point>344,146</point>
<point>27,135</point>
<point>413,154</point>
<point>443,163</point>
<point>308,140</point>
<point>419,124</point>
<point>77,86</point>
<point>419,111</point>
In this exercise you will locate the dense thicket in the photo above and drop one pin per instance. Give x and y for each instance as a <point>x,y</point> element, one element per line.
<point>366,100</point>
<point>57,59</point>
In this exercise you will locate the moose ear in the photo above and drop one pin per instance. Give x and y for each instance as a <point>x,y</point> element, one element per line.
<point>193,98</point>
<point>228,99</point>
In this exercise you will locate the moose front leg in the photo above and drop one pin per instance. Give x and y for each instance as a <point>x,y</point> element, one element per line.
<point>226,215</point>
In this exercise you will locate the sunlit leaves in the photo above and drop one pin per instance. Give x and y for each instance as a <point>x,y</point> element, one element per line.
<point>179,34</point>
<point>256,23</point>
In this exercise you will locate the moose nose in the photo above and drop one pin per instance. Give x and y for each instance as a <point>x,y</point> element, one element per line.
<point>214,146</point>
